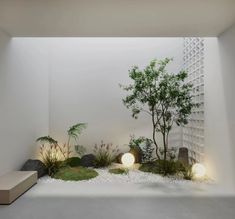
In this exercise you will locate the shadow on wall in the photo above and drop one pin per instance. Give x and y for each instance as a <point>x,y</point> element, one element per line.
<point>227,54</point>
<point>4,53</point>
<point>219,108</point>
<point>23,99</point>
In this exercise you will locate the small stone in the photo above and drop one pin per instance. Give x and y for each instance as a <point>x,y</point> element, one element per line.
<point>88,160</point>
<point>183,155</point>
<point>119,158</point>
<point>35,165</point>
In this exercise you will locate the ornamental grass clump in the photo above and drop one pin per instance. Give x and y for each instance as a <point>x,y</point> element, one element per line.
<point>53,154</point>
<point>105,154</point>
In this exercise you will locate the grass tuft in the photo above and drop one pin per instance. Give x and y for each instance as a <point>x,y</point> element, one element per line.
<point>118,171</point>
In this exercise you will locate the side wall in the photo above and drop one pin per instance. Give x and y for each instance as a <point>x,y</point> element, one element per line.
<point>220,108</point>
<point>23,99</point>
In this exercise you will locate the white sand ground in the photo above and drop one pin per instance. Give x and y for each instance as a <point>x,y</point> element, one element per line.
<point>137,195</point>
<point>135,183</point>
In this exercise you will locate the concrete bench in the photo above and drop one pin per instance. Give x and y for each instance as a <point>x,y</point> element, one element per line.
<point>14,184</point>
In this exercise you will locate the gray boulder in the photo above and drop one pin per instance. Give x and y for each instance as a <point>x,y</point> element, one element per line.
<point>88,160</point>
<point>183,155</point>
<point>35,165</point>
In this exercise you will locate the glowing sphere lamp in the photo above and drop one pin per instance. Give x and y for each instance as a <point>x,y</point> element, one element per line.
<point>198,170</point>
<point>128,159</point>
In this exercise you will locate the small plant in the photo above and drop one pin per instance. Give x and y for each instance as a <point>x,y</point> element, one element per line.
<point>73,134</point>
<point>147,150</point>
<point>135,148</point>
<point>52,154</point>
<point>105,154</point>
<point>170,154</point>
<point>188,173</point>
<point>80,150</point>
<point>145,145</point>
<point>163,167</point>
<point>136,141</point>
<point>118,171</point>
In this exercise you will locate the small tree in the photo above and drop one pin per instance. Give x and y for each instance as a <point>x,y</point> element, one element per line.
<point>162,95</point>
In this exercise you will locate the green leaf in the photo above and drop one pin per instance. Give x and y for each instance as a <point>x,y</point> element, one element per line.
<point>46,139</point>
<point>76,130</point>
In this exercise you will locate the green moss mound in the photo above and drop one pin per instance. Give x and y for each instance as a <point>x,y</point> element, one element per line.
<point>118,171</point>
<point>163,168</point>
<point>75,173</point>
<point>73,161</point>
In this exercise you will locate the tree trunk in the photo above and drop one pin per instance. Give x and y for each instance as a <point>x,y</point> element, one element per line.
<point>165,152</point>
<point>164,144</point>
<point>154,141</point>
<point>154,135</point>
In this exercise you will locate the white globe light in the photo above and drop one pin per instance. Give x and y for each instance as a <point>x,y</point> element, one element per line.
<point>128,159</point>
<point>198,170</point>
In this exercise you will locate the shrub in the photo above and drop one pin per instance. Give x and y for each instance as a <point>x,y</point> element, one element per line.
<point>105,154</point>
<point>136,141</point>
<point>170,154</point>
<point>75,173</point>
<point>118,171</point>
<point>188,174</point>
<point>142,148</point>
<point>73,161</point>
<point>118,158</point>
<point>147,150</point>
<point>163,167</point>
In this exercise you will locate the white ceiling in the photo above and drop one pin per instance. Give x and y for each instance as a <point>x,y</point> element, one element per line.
<point>158,18</point>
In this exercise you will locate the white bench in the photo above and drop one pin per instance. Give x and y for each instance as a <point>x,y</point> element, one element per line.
<point>14,184</point>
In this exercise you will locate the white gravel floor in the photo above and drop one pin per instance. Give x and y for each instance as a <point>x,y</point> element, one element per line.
<point>136,195</point>
<point>135,177</point>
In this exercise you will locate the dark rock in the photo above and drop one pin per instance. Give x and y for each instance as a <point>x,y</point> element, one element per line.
<point>183,155</point>
<point>137,152</point>
<point>35,165</point>
<point>119,158</point>
<point>88,160</point>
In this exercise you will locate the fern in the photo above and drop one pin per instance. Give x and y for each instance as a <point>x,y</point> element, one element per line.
<point>46,139</point>
<point>76,130</point>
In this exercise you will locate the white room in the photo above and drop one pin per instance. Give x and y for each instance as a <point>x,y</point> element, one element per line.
<point>78,131</point>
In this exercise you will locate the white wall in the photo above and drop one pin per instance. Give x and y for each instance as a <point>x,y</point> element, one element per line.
<point>85,73</point>
<point>49,84</point>
<point>23,99</point>
<point>46,85</point>
<point>220,107</point>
